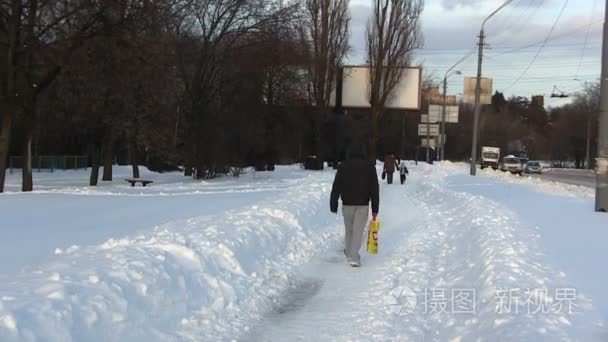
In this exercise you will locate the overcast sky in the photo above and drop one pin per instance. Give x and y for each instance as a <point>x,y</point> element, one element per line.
<point>451,27</point>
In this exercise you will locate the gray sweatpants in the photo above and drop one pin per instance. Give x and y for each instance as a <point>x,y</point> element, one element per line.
<point>355,220</point>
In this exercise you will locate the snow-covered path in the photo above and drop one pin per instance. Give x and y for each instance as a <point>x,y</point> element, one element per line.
<point>333,299</point>
<point>481,264</point>
<point>441,244</point>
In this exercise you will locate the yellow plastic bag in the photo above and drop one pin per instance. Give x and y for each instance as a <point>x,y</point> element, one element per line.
<point>372,237</point>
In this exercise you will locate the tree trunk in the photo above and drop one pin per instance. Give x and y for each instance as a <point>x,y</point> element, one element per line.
<point>27,183</point>
<point>134,158</point>
<point>373,143</point>
<point>8,79</point>
<point>402,139</point>
<point>94,165</point>
<point>108,156</point>
<point>318,140</point>
<point>5,140</point>
<point>135,169</point>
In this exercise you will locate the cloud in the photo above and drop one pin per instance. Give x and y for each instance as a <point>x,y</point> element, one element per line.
<point>359,16</point>
<point>452,4</point>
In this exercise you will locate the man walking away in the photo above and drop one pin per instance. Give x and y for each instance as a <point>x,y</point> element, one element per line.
<point>390,163</point>
<point>356,182</point>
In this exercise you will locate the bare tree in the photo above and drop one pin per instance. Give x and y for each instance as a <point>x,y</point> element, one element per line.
<point>32,31</point>
<point>393,32</point>
<point>211,33</point>
<point>588,102</point>
<point>325,34</point>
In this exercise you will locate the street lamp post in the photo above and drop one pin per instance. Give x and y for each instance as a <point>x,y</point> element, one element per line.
<point>601,168</point>
<point>445,90</point>
<point>478,90</point>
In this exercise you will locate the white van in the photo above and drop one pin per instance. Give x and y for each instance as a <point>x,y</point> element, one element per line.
<point>512,164</point>
<point>490,157</point>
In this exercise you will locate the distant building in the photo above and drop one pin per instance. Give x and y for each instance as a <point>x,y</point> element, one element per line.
<point>538,101</point>
<point>433,96</point>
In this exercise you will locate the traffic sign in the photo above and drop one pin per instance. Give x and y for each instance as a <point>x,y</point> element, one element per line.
<point>425,117</point>
<point>451,113</point>
<point>433,142</point>
<point>434,129</point>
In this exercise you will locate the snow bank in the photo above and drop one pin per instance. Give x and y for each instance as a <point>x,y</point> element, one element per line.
<point>66,211</point>
<point>473,242</point>
<point>546,186</point>
<point>186,280</point>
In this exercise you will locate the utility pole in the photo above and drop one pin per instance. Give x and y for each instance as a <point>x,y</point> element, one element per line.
<point>601,192</point>
<point>441,136</point>
<point>478,90</point>
<point>445,93</point>
<point>477,105</point>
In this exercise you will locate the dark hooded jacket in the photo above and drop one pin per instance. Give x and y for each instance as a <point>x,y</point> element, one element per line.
<point>356,182</point>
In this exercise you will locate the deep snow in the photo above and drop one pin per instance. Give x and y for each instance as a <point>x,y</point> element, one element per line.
<point>65,211</point>
<point>259,259</point>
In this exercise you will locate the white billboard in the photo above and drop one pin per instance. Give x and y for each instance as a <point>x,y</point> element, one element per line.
<point>451,113</point>
<point>470,83</point>
<point>407,95</point>
<point>422,129</point>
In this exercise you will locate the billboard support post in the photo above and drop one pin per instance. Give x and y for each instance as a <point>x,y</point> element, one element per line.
<point>445,91</point>
<point>428,138</point>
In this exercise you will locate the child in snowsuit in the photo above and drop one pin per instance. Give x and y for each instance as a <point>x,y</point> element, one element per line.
<point>403,171</point>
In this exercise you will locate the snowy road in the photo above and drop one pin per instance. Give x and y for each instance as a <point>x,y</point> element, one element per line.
<point>574,177</point>
<point>487,258</point>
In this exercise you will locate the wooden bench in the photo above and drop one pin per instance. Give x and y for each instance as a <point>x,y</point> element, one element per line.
<point>142,181</point>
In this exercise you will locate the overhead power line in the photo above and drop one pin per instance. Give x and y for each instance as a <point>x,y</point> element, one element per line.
<point>541,80</point>
<point>556,47</point>
<point>578,69</point>
<point>541,47</point>
<point>504,19</point>
<point>518,24</point>
<point>565,34</point>
<point>508,47</point>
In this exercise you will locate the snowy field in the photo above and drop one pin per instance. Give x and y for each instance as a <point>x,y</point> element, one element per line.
<point>259,258</point>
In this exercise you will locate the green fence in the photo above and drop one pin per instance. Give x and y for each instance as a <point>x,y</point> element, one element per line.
<point>50,163</point>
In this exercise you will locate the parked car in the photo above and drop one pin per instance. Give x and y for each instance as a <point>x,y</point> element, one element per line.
<point>511,164</point>
<point>533,167</point>
<point>546,165</point>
